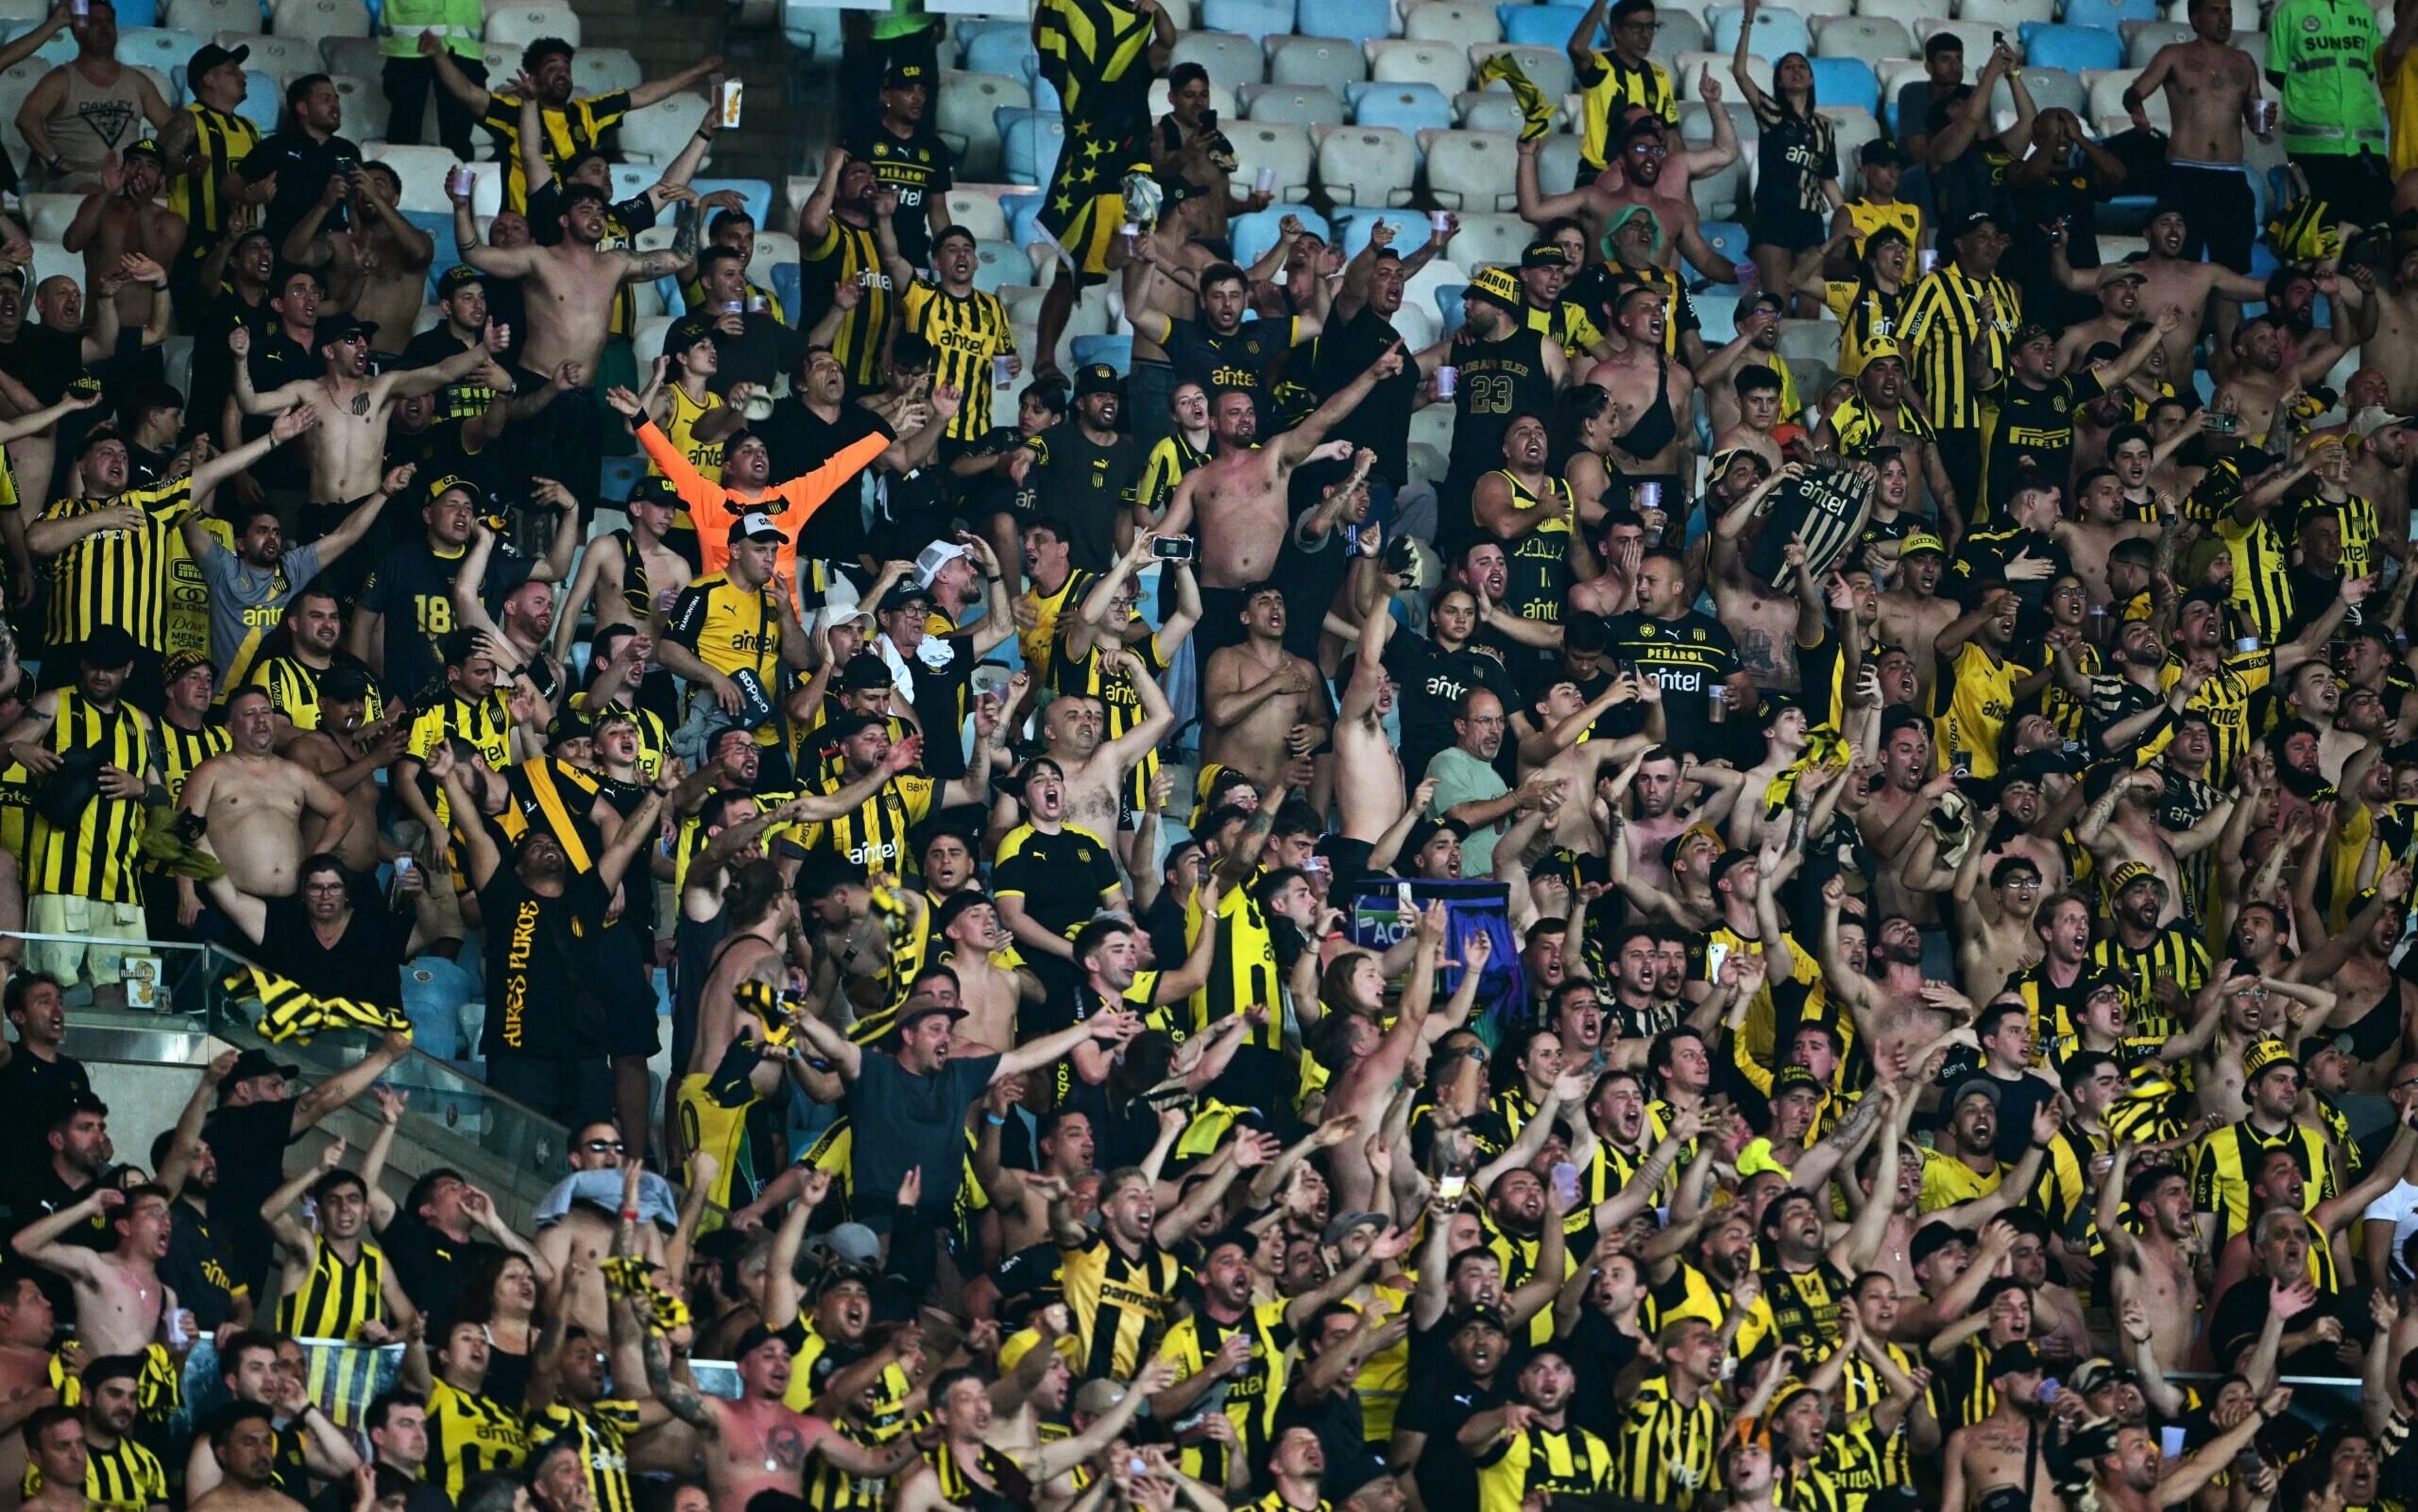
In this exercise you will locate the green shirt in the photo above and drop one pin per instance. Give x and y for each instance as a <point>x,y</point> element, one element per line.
<point>1462,778</point>
<point>456,21</point>
<point>2321,54</point>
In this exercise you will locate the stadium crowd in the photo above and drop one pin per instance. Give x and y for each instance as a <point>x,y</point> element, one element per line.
<point>1771,935</point>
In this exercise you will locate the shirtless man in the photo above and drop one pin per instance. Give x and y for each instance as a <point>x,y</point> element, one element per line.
<point>2265,379</point>
<point>1642,157</point>
<point>1769,627</point>
<point>756,1444</point>
<point>1893,1016</point>
<point>961,1414</point>
<point>52,1444</point>
<point>971,939</point>
<point>1641,380</point>
<point>2154,1266</point>
<point>2209,85</point>
<point>2122,826</point>
<point>244,1443</point>
<point>568,287</point>
<point>119,219</point>
<point>1997,1452</point>
<point>1096,769</point>
<point>1899,796</point>
<point>1239,499</point>
<point>2105,519</point>
<point>27,1323</point>
<point>2119,306</point>
<point>2177,279</point>
<point>1913,615</point>
<point>120,1300</point>
<point>1262,705</point>
<point>1368,783</point>
<point>346,452</point>
<point>251,802</point>
<point>574,1242</point>
<point>378,267</point>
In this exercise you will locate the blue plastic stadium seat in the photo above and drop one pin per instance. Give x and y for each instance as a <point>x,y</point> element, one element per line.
<point>1254,18</point>
<point>1727,237</point>
<point>2073,48</point>
<point>755,191</point>
<point>1116,351</point>
<point>789,284</point>
<point>1255,233</point>
<point>1355,21</point>
<point>1448,300</point>
<point>1407,108</point>
<point>1531,25</point>
<point>1845,81</point>
<point>1022,210</point>
<point>1007,51</point>
<point>1354,226</point>
<point>620,475</point>
<point>1029,144</point>
<point>2108,15</point>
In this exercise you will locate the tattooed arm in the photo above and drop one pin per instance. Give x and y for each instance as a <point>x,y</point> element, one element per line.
<point>668,261</point>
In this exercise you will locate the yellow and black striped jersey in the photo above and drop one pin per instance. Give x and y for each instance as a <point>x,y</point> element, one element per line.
<point>2225,1161</point>
<point>116,577</point>
<point>1539,1461</point>
<point>2176,956</point>
<point>874,834</point>
<point>602,1433</point>
<point>221,141</point>
<point>572,126</point>
<point>294,691</point>
<point>965,333</point>
<point>1867,218</point>
<point>471,1434</point>
<point>1118,1305</point>
<point>731,628</point>
<point>1867,314</point>
<point>181,750</point>
<point>1943,321</point>
<point>1169,460</point>
<point>2356,515</point>
<point>1607,87</point>
<point>96,856</point>
<point>338,1295</point>
<point>124,1477</point>
<point>1251,1396</point>
<point>847,253</point>
<point>1667,1449</point>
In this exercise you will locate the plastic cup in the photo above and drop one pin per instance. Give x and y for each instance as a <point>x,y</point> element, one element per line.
<point>1926,261</point>
<point>1000,377</point>
<point>1649,496</point>
<point>2262,114</point>
<point>1717,704</point>
<point>758,304</point>
<point>1446,378</point>
<point>2246,645</point>
<point>1264,181</point>
<point>1437,222</point>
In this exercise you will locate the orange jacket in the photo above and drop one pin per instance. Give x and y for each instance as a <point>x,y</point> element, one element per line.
<point>790,505</point>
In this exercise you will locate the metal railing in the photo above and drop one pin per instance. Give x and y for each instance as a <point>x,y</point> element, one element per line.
<point>176,993</point>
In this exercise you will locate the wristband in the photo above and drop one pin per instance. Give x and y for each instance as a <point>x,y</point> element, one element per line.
<point>629,1215</point>
<point>994,1121</point>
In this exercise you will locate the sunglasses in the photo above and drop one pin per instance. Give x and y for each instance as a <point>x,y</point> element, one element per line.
<point>600,1146</point>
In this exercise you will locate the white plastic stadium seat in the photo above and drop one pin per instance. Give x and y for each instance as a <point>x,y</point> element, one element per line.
<point>1547,68</point>
<point>1853,126</point>
<point>1258,20</point>
<point>1493,110</point>
<point>1474,171</point>
<point>285,56</point>
<point>2008,14</point>
<point>1395,61</point>
<point>523,25</point>
<point>1490,238</point>
<point>1909,13</point>
<point>1221,99</point>
<point>422,170</point>
<point>1326,61</point>
<point>1557,164</point>
<point>1450,22</point>
<point>365,105</point>
<point>202,16</point>
<point>773,249</point>
<point>1720,194</point>
<point>1367,165</point>
<point>1690,66</point>
<point>597,71</point>
<point>1231,58</point>
<point>53,260</point>
<point>157,46</point>
<point>2142,40</point>
<point>47,216</point>
<point>979,214</point>
<point>646,342</point>
<point>1869,38</point>
<point>2107,86</point>
<point>1975,36</point>
<point>314,19</point>
<point>351,54</point>
<point>503,59</point>
<point>963,115</point>
<point>1286,149</point>
<point>660,130</point>
<point>1284,104</point>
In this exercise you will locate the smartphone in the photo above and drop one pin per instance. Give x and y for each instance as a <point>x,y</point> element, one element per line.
<point>1208,120</point>
<point>732,90</point>
<point>1565,1182</point>
<point>1452,1188</point>
<point>1961,763</point>
<point>2216,423</point>
<point>1174,548</point>
<point>1402,897</point>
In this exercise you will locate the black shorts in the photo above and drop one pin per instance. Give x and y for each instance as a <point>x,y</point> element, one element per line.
<point>1791,230</point>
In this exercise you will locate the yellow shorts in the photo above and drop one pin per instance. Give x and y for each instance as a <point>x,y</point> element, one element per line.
<point>62,913</point>
<point>719,1131</point>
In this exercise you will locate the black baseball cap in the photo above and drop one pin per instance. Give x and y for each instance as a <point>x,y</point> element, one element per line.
<point>459,276</point>
<point>1097,379</point>
<point>211,55</point>
<point>107,646</point>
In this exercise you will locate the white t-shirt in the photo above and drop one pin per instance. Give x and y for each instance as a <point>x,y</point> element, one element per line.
<point>2399,1207</point>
